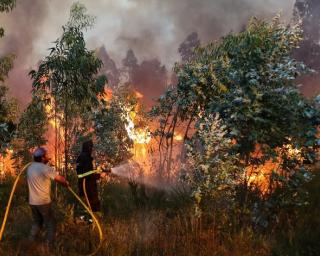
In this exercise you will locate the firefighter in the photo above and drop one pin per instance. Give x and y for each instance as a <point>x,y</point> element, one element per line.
<point>85,165</point>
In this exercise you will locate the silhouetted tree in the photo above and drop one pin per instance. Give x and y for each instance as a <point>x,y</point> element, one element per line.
<point>109,67</point>
<point>309,13</point>
<point>187,47</point>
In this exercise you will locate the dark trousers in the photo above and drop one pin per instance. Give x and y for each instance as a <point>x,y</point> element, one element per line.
<point>92,193</point>
<point>42,215</point>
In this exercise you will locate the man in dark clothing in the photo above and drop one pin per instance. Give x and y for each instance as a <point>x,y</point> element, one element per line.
<point>84,165</point>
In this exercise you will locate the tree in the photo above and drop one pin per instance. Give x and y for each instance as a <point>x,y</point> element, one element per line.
<point>70,76</point>
<point>109,67</point>
<point>148,77</point>
<point>7,107</point>
<point>130,66</point>
<point>215,173</point>
<point>31,131</point>
<point>8,116</point>
<point>249,80</point>
<point>7,5</point>
<point>6,62</point>
<point>113,143</point>
<point>188,46</point>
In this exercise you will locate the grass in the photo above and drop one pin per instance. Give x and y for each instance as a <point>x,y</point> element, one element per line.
<point>139,220</point>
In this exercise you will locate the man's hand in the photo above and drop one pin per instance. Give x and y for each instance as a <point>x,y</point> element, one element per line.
<point>105,172</point>
<point>66,184</point>
<point>103,175</point>
<point>62,180</point>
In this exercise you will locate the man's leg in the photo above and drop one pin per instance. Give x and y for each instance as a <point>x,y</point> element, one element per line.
<point>79,211</point>
<point>49,221</point>
<point>37,222</point>
<point>93,196</point>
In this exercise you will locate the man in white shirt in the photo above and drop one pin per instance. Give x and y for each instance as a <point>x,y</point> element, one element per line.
<point>39,176</point>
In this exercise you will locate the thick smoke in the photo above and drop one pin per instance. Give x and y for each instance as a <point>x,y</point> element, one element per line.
<point>153,29</point>
<point>22,28</point>
<point>309,52</point>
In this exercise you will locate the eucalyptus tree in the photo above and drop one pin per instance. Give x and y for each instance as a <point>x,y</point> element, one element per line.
<point>113,144</point>
<point>8,117</point>
<point>248,79</point>
<point>6,61</point>
<point>69,74</point>
<point>31,131</point>
<point>7,107</point>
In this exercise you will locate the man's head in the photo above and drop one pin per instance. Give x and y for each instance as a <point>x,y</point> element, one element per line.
<point>40,155</point>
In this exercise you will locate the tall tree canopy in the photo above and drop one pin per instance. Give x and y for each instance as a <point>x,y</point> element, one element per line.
<point>69,74</point>
<point>248,81</point>
<point>7,107</point>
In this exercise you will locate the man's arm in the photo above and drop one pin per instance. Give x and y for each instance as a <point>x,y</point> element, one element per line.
<point>62,180</point>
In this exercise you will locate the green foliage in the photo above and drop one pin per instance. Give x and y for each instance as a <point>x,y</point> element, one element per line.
<point>188,46</point>
<point>7,5</point>
<point>8,115</point>
<point>69,72</point>
<point>249,80</point>
<point>31,131</point>
<point>79,18</point>
<point>113,143</point>
<point>6,64</point>
<point>7,107</point>
<point>32,125</point>
<point>211,170</point>
<point>69,75</point>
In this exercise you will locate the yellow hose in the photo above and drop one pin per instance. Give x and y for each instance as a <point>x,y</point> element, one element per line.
<point>84,187</point>
<point>10,201</point>
<point>72,192</point>
<point>94,219</point>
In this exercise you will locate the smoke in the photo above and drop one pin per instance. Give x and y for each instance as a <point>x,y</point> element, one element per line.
<point>152,28</point>
<point>22,27</point>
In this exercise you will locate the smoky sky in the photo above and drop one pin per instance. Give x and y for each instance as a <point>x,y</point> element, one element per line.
<point>152,28</point>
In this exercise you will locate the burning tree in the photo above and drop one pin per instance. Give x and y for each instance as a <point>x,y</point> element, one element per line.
<point>8,107</point>
<point>68,77</point>
<point>113,143</point>
<point>248,79</point>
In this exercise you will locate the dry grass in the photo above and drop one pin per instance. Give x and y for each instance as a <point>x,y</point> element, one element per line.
<point>152,223</point>
<point>144,233</point>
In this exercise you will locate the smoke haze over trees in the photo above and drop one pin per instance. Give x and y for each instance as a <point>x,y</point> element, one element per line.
<point>152,29</point>
<point>309,13</point>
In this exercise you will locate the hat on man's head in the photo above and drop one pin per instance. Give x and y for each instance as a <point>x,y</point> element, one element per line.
<point>39,152</point>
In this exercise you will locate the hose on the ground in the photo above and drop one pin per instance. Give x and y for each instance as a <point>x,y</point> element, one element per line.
<point>71,191</point>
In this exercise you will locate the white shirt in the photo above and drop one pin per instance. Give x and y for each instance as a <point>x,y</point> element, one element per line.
<point>39,178</point>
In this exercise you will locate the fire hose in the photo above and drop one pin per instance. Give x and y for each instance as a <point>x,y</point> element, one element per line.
<point>95,220</point>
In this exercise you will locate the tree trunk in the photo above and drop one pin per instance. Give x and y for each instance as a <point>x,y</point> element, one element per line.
<point>66,145</point>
